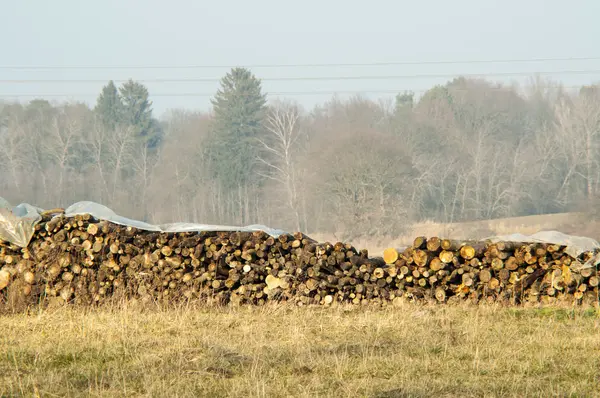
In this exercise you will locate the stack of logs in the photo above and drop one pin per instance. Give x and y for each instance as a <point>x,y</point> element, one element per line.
<point>506,272</point>
<point>87,261</point>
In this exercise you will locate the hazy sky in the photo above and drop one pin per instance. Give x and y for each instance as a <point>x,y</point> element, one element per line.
<point>89,40</point>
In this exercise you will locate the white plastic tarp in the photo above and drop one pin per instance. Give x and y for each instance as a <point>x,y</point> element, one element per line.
<point>18,226</point>
<point>104,213</point>
<point>575,245</point>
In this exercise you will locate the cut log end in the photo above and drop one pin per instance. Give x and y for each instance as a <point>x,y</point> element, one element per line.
<point>390,255</point>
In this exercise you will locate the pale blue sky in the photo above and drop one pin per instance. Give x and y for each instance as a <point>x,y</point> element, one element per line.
<point>75,33</point>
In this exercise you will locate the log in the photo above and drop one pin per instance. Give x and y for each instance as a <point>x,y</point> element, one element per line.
<point>420,242</point>
<point>472,249</point>
<point>390,255</point>
<point>433,244</point>
<point>421,257</point>
<point>446,256</point>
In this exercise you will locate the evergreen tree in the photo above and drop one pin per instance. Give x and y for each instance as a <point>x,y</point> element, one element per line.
<point>239,108</point>
<point>109,107</point>
<point>137,112</point>
<point>405,101</point>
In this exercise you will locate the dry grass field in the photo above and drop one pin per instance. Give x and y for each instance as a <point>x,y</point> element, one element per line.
<point>284,351</point>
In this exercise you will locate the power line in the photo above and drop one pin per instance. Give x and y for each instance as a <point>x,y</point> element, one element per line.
<point>304,78</point>
<point>290,93</point>
<point>396,63</point>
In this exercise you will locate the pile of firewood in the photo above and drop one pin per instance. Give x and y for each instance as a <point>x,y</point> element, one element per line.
<point>87,261</point>
<point>506,272</point>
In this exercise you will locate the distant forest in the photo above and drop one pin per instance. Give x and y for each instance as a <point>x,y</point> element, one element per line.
<point>467,150</point>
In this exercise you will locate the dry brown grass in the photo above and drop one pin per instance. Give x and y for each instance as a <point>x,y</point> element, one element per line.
<point>283,351</point>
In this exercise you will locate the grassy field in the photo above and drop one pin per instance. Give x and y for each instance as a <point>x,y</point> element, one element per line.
<point>283,351</point>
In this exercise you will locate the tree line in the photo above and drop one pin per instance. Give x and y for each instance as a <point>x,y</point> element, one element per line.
<point>467,150</point>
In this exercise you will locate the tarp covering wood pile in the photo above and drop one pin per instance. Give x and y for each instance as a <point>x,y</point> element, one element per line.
<point>17,224</point>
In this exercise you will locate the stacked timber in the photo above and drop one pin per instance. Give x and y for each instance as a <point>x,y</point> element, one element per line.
<point>87,261</point>
<point>506,272</point>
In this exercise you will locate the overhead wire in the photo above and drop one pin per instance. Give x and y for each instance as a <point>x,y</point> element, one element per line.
<point>308,65</point>
<point>277,93</point>
<point>306,78</point>
<point>298,78</point>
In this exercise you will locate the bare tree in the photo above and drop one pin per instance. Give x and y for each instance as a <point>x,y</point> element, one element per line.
<point>144,163</point>
<point>282,124</point>
<point>13,151</point>
<point>576,129</point>
<point>59,145</point>
<point>181,188</point>
<point>112,151</point>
